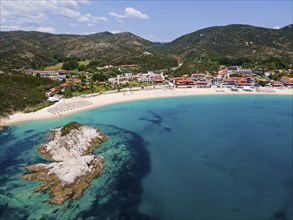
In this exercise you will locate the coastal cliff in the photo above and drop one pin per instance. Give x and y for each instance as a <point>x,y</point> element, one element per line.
<point>73,167</point>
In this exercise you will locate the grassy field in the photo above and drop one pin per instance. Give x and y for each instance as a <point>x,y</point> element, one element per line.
<point>58,66</point>
<point>55,67</point>
<point>84,62</point>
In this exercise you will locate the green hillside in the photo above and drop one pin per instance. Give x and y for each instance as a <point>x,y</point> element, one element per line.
<point>234,41</point>
<point>36,49</point>
<point>19,91</point>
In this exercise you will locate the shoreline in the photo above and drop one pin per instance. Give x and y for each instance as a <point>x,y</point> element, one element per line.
<point>120,97</point>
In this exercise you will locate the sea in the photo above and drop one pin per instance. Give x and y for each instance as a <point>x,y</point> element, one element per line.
<point>193,158</point>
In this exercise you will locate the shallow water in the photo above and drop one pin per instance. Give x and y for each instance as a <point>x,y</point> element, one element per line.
<point>208,157</point>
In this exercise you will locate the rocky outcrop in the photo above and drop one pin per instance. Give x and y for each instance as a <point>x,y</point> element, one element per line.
<point>74,166</point>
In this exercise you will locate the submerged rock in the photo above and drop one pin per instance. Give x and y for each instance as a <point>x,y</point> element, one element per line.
<point>74,166</point>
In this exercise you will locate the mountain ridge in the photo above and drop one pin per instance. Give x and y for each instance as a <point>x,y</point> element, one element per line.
<point>233,39</point>
<point>32,49</point>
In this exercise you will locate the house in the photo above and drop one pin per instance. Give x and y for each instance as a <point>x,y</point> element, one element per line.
<point>129,65</point>
<point>287,81</point>
<point>143,78</point>
<point>201,84</point>
<point>53,89</point>
<point>122,80</point>
<point>198,76</point>
<point>232,68</point>
<point>267,74</point>
<point>216,80</point>
<point>53,74</point>
<point>243,71</point>
<point>230,81</point>
<point>182,81</point>
<point>105,67</point>
<point>100,83</point>
<point>242,82</point>
<point>63,72</point>
<point>119,80</point>
<point>157,78</point>
<point>222,73</point>
<point>276,83</point>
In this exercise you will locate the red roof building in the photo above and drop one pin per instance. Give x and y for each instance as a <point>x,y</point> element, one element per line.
<point>203,83</point>
<point>289,82</point>
<point>198,76</point>
<point>276,83</point>
<point>242,82</point>
<point>180,81</point>
<point>158,78</point>
<point>223,72</point>
<point>55,74</point>
<point>63,72</point>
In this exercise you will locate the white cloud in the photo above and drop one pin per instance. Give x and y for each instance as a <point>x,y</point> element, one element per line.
<point>10,27</point>
<point>46,29</point>
<point>67,12</point>
<point>153,38</point>
<point>40,14</point>
<point>129,13</point>
<point>81,33</point>
<point>116,15</point>
<point>132,12</point>
<point>115,32</point>
<point>276,27</point>
<point>90,24</point>
<point>92,19</point>
<point>29,28</point>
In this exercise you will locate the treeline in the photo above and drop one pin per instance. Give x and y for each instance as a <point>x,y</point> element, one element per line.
<point>272,63</point>
<point>212,64</point>
<point>202,64</point>
<point>148,62</point>
<point>18,91</point>
<point>144,63</point>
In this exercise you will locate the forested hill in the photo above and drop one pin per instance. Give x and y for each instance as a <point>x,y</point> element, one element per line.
<point>235,41</point>
<point>36,49</point>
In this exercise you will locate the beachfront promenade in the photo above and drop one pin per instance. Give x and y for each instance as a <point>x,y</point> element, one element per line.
<point>83,102</point>
<point>77,104</point>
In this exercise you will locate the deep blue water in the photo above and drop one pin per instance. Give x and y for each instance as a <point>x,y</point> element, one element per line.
<point>207,157</point>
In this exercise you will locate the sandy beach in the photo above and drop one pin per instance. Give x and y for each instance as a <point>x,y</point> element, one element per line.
<point>70,106</point>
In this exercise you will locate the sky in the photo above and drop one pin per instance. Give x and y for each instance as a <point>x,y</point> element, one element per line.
<point>159,21</point>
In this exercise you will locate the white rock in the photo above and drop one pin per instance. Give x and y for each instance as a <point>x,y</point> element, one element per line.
<point>68,152</point>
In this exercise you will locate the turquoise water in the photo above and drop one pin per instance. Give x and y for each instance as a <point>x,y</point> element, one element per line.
<point>208,157</point>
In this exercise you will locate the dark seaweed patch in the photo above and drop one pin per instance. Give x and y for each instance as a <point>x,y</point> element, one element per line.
<point>280,215</point>
<point>157,120</point>
<point>29,131</point>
